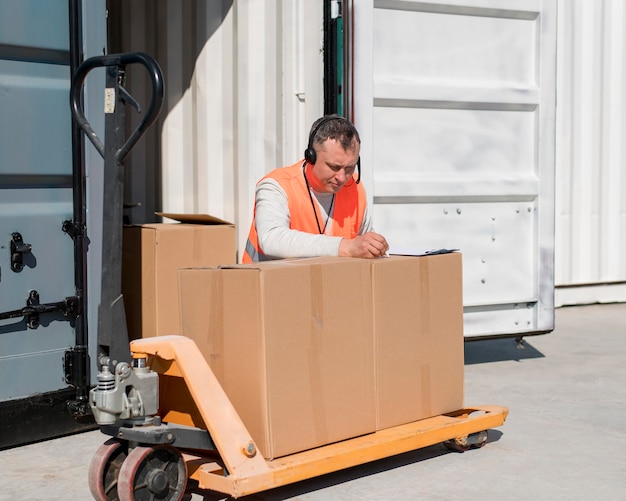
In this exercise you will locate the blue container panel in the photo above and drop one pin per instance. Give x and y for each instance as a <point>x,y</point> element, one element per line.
<point>37,214</point>
<point>35,130</point>
<point>31,374</point>
<point>35,23</point>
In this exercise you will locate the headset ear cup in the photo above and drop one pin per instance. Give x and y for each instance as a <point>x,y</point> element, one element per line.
<point>310,155</point>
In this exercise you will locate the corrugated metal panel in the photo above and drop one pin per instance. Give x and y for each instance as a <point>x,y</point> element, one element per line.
<point>243,81</point>
<point>591,155</point>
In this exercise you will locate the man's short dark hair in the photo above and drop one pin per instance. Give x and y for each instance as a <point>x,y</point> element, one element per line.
<point>334,127</point>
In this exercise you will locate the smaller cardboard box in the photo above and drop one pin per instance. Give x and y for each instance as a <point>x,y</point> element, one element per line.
<point>291,343</point>
<point>151,257</point>
<point>419,344</point>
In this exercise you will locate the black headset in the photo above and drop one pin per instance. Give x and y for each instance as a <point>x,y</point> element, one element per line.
<point>310,154</point>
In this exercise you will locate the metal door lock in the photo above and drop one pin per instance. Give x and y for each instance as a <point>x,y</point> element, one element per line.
<point>69,308</point>
<point>18,249</point>
<point>32,310</point>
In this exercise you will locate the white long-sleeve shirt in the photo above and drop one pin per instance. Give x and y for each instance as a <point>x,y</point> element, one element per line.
<point>278,241</point>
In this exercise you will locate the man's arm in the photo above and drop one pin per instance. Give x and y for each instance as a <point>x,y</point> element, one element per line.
<point>366,224</point>
<point>276,239</point>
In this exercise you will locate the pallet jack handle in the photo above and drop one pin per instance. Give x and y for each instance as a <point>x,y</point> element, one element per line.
<point>113,341</point>
<point>120,61</point>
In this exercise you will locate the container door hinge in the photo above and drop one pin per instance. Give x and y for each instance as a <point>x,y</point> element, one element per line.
<point>75,359</point>
<point>73,229</point>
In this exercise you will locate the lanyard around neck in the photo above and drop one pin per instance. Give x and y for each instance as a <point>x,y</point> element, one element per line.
<point>330,209</point>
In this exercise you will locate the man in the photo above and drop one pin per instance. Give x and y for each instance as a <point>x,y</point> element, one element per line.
<point>317,206</point>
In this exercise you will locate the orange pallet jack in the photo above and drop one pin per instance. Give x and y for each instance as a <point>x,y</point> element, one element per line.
<point>158,444</point>
<point>235,467</point>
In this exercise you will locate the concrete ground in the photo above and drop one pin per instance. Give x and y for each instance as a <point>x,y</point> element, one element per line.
<point>564,438</point>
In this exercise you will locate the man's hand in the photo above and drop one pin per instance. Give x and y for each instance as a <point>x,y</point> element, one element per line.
<point>370,245</point>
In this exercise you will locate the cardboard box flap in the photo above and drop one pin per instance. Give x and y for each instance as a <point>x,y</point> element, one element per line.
<point>193,218</point>
<point>263,265</point>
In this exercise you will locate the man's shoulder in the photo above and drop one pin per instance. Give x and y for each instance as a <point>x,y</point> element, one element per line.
<point>288,172</point>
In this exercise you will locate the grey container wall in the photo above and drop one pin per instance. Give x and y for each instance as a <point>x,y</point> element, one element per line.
<point>36,198</point>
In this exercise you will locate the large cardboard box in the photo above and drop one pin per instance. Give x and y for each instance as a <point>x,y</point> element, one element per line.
<point>418,329</point>
<point>291,342</point>
<point>151,257</point>
<point>313,351</point>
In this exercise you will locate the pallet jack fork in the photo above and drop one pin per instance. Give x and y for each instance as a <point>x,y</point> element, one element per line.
<point>157,398</point>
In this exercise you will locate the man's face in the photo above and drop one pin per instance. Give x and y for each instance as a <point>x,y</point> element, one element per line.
<point>334,166</point>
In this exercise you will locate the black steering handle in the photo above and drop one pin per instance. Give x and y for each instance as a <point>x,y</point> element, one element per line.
<point>156,101</point>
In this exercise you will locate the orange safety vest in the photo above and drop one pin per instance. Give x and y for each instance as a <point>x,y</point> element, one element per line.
<point>349,209</point>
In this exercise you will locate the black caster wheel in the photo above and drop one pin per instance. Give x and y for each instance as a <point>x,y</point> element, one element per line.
<point>104,469</point>
<point>151,473</point>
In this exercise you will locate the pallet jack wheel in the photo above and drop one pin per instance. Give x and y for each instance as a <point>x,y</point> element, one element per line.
<point>104,469</point>
<point>461,444</point>
<point>150,473</point>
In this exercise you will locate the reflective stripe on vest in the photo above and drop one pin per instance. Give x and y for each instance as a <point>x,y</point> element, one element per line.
<point>347,217</point>
<point>253,255</point>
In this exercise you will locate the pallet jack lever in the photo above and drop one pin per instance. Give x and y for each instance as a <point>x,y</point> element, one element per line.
<point>125,96</point>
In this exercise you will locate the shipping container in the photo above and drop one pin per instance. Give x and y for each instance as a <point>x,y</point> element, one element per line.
<point>495,128</point>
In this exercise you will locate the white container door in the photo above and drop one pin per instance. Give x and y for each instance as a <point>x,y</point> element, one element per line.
<point>455,102</point>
